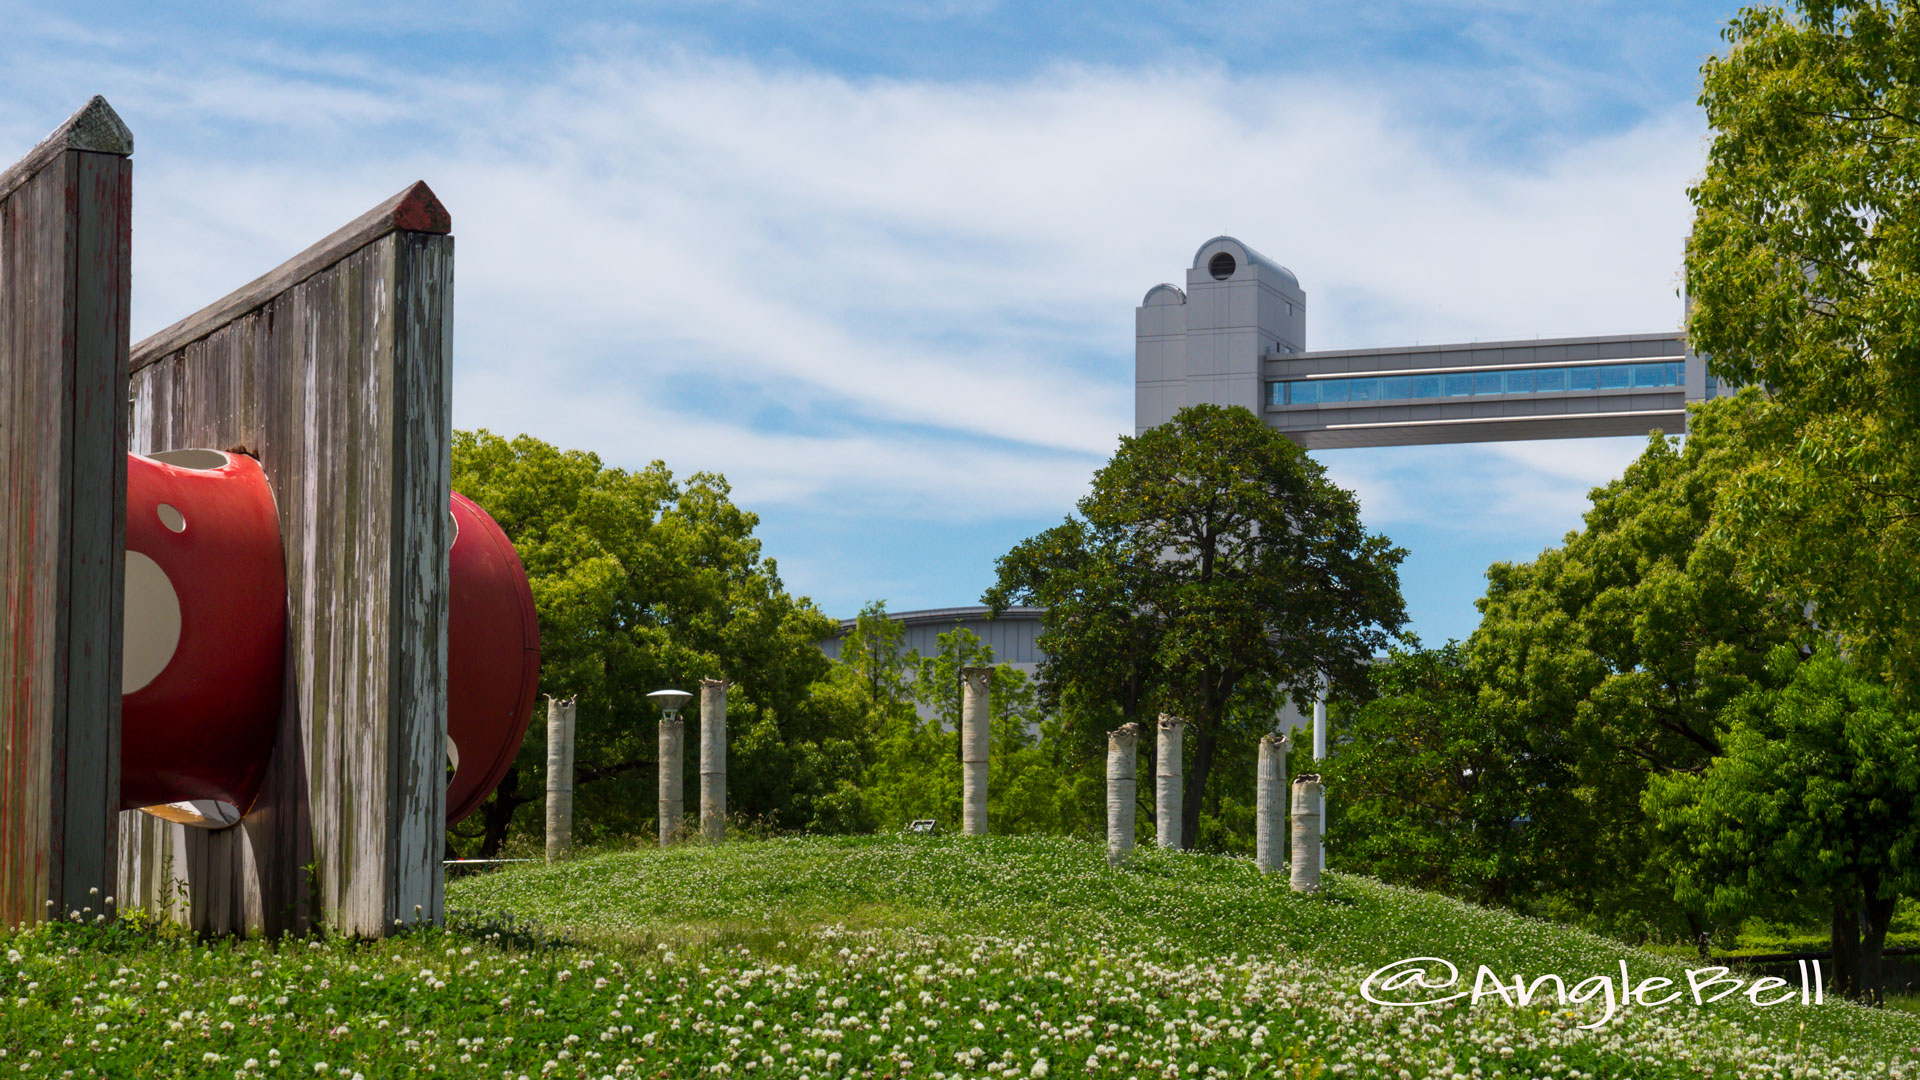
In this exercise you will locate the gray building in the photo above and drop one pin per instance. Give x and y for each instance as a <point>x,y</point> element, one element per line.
<point>1236,335</point>
<point>1010,636</point>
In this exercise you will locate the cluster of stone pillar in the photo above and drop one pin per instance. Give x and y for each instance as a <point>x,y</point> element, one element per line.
<point>1272,811</point>
<point>672,776</point>
<point>1304,806</point>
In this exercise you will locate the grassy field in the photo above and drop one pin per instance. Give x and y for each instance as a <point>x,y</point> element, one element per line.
<point>890,957</point>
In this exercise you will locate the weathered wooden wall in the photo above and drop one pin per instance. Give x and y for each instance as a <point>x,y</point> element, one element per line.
<point>64,239</point>
<point>334,370</point>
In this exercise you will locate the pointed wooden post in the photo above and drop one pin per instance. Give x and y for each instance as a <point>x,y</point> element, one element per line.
<point>64,285</point>
<point>334,370</point>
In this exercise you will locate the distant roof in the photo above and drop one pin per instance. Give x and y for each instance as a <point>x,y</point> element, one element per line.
<point>951,615</point>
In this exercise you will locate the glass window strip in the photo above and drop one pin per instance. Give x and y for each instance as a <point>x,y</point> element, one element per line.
<point>1592,377</point>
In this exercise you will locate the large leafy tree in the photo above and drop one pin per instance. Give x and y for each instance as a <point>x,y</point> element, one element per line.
<point>1616,653</point>
<point>1811,808</point>
<point>642,582</point>
<point>1803,272</point>
<point>1427,789</point>
<point>1212,570</point>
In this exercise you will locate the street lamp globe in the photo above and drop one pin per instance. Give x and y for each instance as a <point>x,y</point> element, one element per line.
<point>670,701</point>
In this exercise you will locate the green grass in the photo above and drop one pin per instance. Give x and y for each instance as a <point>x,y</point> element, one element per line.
<point>889,957</point>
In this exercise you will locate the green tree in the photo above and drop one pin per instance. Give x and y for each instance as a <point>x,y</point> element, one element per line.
<point>1803,273</point>
<point>1213,570</point>
<point>642,582</point>
<point>1614,655</point>
<point>1813,803</point>
<point>1425,789</point>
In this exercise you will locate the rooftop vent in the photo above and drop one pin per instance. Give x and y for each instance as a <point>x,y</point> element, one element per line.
<point>1222,266</point>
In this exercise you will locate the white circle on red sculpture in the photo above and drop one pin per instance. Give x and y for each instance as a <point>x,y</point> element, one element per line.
<point>152,628</point>
<point>173,519</point>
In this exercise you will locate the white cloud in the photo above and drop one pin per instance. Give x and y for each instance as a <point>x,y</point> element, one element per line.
<point>850,293</point>
<point>1497,490</point>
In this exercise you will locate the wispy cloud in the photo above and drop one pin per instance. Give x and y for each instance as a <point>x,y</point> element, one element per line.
<point>867,295</point>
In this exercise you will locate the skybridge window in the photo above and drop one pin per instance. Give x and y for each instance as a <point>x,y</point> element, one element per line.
<point>1589,378</point>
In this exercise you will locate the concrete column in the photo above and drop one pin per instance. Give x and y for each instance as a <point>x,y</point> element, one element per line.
<point>1123,755</point>
<point>1306,832</point>
<point>1169,780</point>
<point>713,759</point>
<point>1319,755</point>
<point>560,716</point>
<point>673,777</point>
<point>1270,805</point>
<point>975,700</point>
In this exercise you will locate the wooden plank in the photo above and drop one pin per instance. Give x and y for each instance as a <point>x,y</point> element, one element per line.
<point>340,385</point>
<point>416,209</point>
<point>64,279</point>
<point>423,466</point>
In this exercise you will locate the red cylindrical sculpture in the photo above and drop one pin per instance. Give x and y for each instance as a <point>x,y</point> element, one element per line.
<point>206,634</point>
<point>493,657</point>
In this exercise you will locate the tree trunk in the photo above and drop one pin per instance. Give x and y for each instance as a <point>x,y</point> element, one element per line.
<point>496,814</point>
<point>1846,941</point>
<point>1197,782</point>
<point>1875,915</point>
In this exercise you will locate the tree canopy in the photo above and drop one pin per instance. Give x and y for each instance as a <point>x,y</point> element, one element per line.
<point>640,582</point>
<point>1212,571</point>
<point>1811,808</point>
<point>1803,273</point>
<point>1517,762</point>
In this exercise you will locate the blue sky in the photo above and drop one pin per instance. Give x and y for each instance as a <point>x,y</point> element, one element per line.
<point>876,262</point>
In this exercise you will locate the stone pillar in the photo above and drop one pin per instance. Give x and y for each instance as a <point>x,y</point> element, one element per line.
<point>1319,755</point>
<point>1270,805</point>
<point>1123,754</point>
<point>713,759</point>
<point>560,716</point>
<point>1306,832</point>
<point>1169,780</point>
<point>673,777</point>
<point>975,699</point>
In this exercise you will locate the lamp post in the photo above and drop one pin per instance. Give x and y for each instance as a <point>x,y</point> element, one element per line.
<point>672,755</point>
